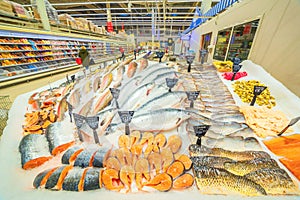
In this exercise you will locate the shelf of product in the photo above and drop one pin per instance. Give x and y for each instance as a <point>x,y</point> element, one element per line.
<point>222,44</point>
<point>27,55</point>
<point>145,141</point>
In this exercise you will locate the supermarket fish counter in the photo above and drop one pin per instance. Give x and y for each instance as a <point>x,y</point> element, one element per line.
<point>143,129</point>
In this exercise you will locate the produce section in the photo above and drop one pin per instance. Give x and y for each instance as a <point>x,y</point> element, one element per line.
<point>161,153</point>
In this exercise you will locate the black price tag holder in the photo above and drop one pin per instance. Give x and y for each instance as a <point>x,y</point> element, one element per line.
<point>134,52</point>
<point>235,69</point>
<point>126,117</point>
<point>79,121</point>
<point>160,55</point>
<point>93,123</point>
<point>189,60</point>
<point>171,82</point>
<point>200,131</point>
<point>292,122</point>
<point>192,96</point>
<point>257,91</point>
<point>73,78</point>
<point>115,93</point>
<point>70,110</point>
<point>68,80</point>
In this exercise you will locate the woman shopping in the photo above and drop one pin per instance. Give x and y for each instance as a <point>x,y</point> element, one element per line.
<point>85,58</point>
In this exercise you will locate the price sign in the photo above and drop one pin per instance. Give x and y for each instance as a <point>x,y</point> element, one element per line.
<point>73,78</point>
<point>235,70</point>
<point>79,121</point>
<point>292,122</point>
<point>236,61</point>
<point>171,82</point>
<point>160,54</point>
<point>70,110</point>
<point>93,123</point>
<point>115,93</point>
<point>200,131</point>
<point>257,91</point>
<point>189,60</point>
<point>192,96</point>
<point>126,117</point>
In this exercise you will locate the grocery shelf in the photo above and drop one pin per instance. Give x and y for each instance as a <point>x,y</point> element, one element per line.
<point>32,63</point>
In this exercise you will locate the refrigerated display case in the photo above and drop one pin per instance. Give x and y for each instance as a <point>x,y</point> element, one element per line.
<point>222,44</point>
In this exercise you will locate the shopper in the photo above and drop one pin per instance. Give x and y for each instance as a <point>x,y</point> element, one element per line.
<point>85,58</point>
<point>122,53</point>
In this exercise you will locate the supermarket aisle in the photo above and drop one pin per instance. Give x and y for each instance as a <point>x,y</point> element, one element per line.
<point>19,89</point>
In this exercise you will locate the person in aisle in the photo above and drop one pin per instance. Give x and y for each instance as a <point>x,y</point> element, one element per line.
<point>122,53</point>
<point>85,58</point>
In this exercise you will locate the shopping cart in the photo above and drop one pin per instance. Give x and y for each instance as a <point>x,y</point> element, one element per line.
<point>5,105</point>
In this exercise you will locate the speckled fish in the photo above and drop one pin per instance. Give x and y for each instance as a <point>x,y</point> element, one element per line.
<point>244,167</point>
<point>34,151</point>
<point>232,143</point>
<point>274,181</point>
<point>219,181</point>
<point>210,161</point>
<point>85,158</point>
<point>41,179</point>
<point>71,154</point>
<point>157,120</point>
<point>54,182</point>
<point>166,100</point>
<point>72,180</point>
<point>196,150</point>
<point>60,137</point>
<point>91,179</point>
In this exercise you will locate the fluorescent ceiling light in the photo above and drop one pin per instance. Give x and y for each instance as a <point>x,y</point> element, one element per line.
<point>140,13</point>
<point>95,9</point>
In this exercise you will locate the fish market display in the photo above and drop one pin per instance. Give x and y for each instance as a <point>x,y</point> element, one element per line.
<point>244,89</point>
<point>288,148</point>
<point>265,122</point>
<point>123,129</point>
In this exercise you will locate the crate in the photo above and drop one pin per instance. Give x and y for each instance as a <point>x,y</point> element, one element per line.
<point>5,105</point>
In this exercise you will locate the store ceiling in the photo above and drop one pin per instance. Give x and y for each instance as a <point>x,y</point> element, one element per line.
<point>135,15</point>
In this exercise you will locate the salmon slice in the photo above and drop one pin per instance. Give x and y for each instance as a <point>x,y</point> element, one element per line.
<point>160,140</point>
<point>184,181</point>
<point>59,137</point>
<point>155,162</point>
<point>34,151</point>
<point>112,163</point>
<point>74,156</point>
<point>174,143</point>
<point>67,155</point>
<point>53,179</point>
<point>123,155</point>
<point>84,158</point>
<point>99,157</point>
<point>81,182</point>
<point>127,176</point>
<point>111,181</point>
<point>62,176</point>
<point>41,179</point>
<point>102,101</point>
<point>134,137</point>
<point>124,141</point>
<point>106,81</point>
<point>176,169</point>
<point>186,161</point>
<point>91,179</point>
<point>161,182</point>
<point>72,180</point>
<point>292,165</point>
<point>147,138</point>
<point>141,169</point>
<point>167,158</point>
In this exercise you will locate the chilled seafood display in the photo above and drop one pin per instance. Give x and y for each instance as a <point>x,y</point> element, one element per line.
<point>265,122</point>
<point>125,129</point>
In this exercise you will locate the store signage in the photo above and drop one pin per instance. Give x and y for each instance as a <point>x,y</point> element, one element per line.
<point>93,124</point>
<point>192,96</point>
<point>292,122</point>
<point>257,91</point>
<point>126,117</point>
<point>79,121</point>
<point>115,93</point>
<point>200,131</point>
<point>171,82</point>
